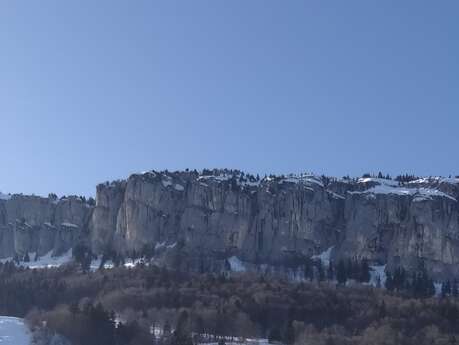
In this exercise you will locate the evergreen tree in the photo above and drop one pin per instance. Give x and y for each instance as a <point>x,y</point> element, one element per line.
<point>378,282</point>
<point>330,271</point>
<point>455,288</point>
<point>364,272</point>
<point>341,274</point>
<point>445,289</point>
<point>382,310</point>
<point>389,282</point>
<point>289,337</point>
<point>308,270</point>
<point>320,272</point>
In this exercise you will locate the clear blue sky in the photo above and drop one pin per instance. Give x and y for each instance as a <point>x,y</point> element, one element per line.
<point>95,90</point>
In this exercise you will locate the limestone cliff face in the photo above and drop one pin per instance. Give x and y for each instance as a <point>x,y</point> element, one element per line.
<point>31,224</point>
<point>217,213</point>
<point>275,219</point>
<point>224,213</point>
<point>401,229</point>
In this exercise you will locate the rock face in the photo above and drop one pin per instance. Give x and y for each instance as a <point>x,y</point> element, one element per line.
<point>31,224</point>
<point>220,214</point>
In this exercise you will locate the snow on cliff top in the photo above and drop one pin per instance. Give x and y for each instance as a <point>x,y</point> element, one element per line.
<point>435,179</point>
<point>381,181</point>
<point>308,179</point>
<point>5,196</point>
<point>14,331</point>
<point>227,177</point>
<point>418,193</point>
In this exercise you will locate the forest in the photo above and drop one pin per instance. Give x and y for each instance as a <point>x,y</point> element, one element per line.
<point>121,306</point>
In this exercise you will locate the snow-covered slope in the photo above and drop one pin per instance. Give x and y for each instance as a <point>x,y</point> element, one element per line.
<point>46,261</point>
<point>14,331</point>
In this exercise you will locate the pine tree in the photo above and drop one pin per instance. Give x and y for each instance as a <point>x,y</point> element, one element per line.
<point>289,337</point>
<point>454,288</point>
<point>308,270</point>
<point>341,274</point>
<point>364,272</point>
<point>382,310</point>
<point>443,290</point>
<point>378,282</point>
<point>320,272</point>
<point>330,271</point>
<point>389,282</point>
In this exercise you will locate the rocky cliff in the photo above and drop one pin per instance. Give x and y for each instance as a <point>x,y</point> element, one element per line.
<point>274,220</point>
<point>31,224</point>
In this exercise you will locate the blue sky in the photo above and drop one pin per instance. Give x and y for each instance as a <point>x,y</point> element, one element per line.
<point>95,90</point>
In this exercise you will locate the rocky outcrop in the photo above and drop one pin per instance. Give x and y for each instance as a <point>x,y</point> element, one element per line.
<point>200,218</point>
<point>31,224</point>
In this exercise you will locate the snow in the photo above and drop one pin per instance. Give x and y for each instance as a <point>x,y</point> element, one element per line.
<point>46,261</point>
<point>385,186</point>
<point>166,183</point>
<point>228,177</point>
<point>70,225</point>
<point>14,331</point>
<point>378,271</point>
<point>239,341</point>
<point>435,179</point>
<point>5,196</point>
<point>324,257</point>
<point>380,181</point>
<point>236,265</point>
<point>179,187</point>
<point>416,192</point>
<point>307,179</point>
<point>335,195</point>
<point>160,245</point>
<point>50,261</point>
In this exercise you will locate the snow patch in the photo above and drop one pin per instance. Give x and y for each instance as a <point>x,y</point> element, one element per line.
<point>416,192</point>
<point>307,179</point>
<point>236,265</point>
<point>160,245</point>
<point>14,331</point>
<point>227,177</point>
<point>379,181</point>
<point>166,183</point>
<point>5,196</point>
<point>70,225</point>
<point>335,195</point>
<point>46,261</point>
<point>437,287</point>
<point>378,272</point>
<point>324,257</point>
<point>179,187</point>
<point>435,179</point>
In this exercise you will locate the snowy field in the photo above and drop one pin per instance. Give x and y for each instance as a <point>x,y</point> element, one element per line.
<point>14,331</point>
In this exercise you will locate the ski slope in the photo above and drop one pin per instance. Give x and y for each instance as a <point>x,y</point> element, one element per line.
<point>14,331</point>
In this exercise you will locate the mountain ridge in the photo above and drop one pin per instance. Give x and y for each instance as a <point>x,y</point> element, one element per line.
<point>221,213</point>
